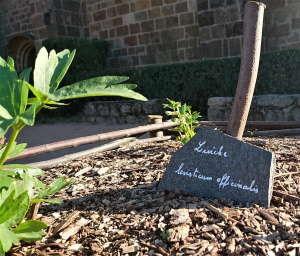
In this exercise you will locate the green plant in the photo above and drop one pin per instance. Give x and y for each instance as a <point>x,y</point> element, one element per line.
<point>90,61</point>
<point>20,188</point>
<point>186,119</point>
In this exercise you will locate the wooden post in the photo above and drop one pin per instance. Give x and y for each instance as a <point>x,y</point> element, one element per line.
<point>253,25</point>
<point>156,119</point>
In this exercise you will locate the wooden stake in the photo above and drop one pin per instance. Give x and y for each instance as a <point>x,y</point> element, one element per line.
<point>156,119</point>
<point>253,24</point>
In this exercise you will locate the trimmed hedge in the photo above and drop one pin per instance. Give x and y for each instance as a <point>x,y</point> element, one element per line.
<point>90,58</point>
<point>195,82</point>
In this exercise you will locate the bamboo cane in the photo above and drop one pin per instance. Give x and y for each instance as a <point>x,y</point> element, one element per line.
<point>283,132</point>
<point>33,151</point>
<point>109,146</point>
<point>66,158</point>
<point>263,125</point>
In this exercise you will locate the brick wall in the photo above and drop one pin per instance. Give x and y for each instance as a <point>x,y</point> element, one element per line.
<point>282,25</point>
<point>41,19</point>
<point>144,32</point>
<point>69,18</point>
<point>23,18</point>
<point>147,32</point>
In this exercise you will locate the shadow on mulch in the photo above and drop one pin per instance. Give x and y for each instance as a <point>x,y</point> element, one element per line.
<point>115,201</point>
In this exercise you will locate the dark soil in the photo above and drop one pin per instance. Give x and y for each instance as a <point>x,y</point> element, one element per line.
<point>115,209</point>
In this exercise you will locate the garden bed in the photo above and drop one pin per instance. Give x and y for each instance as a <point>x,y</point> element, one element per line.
<point>115,209</point>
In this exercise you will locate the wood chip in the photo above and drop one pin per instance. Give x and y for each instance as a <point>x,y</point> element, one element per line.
<point>130,249</point>
<point>215,209</point>
<point>75,247</point>
<point>268,216</point>
<point>65,223</point>
<point>73,229</point>
<point>180,216</point>
<point>102,170</point>
<point>179,233</point>
<point>231,246</point>
<point>286,196</point>
<point>83,171</point>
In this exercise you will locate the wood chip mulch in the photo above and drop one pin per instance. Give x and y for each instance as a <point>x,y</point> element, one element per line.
<point>113,208</point>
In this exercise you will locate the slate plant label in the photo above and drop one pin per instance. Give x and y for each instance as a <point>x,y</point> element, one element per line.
<point>216,165</point>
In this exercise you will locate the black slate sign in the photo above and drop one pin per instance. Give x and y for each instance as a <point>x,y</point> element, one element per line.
<point>216,165</point>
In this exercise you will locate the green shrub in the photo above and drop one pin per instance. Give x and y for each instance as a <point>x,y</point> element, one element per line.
<point>195,82</point>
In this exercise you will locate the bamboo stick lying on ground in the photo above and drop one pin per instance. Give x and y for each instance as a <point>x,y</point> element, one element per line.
<point>283,132</point>
<point>33,151</point>
<point>154,139</point>
<point>264,125</point>
<point>66,158</point>
<point>109,146</point>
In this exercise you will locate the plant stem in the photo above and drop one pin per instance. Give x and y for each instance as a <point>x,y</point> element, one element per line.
<point>10,143</point>
<point>15,132</point>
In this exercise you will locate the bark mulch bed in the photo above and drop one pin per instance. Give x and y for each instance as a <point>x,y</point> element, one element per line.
<point>113,208</point>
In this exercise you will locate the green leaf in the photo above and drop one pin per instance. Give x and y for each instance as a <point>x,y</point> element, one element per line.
<point>24,95</point>
<point>25,74</point>
<point>6,178</point>
<point>10,94</point>
<point>45,65</point>
<point>32,101</point>
<point>49,107</point>
<point>7,238</point>
<point>4,113</point>
<point>13,210</point>
<point>20,168</point>
<point>26,184</point>
<point>11,63</point>
<point>50,201</point>
<point>96,87</point>
<point>4,126</point>
<point>52,102</point>
<point>15,150</point>
<point>2,252</point>
<point>54,187</point>
<point>65,59</point>
<point>30,231</point>
<point>28,117</point>
<point>39,95</point>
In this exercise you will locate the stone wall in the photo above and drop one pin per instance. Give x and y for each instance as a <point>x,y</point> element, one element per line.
<point>23,18</point>
<point>282,25</point>
<point>120,112</point>
<point>42,19</point>
<point>25,24</point>
<point>147,32</point>
<point>68,17</point>
<point>263,108</point>
<point>144,32</point>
